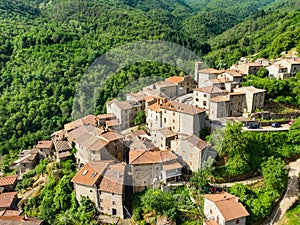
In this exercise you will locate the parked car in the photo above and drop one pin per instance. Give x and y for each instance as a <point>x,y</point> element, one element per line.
<point>291,122</point>
<point>276,124</point>
<point>253,126</point>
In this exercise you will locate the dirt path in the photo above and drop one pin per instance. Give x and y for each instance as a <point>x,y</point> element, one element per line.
<point>245,182</point>
<point>290,197</point>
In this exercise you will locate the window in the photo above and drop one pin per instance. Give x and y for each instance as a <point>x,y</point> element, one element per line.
<point>101,208</point>
<point>85,172</point>
<point>91,191</point>
<point>112,194</point>
<point>101,200</point>
<point>113,202</point>
<point>173,121</point>
<point>205,95</point>
<point>204,103</point>
<point>94,174</point>
<point>237,221</point>
<point>197,100</point>
<point>210,211</point>
<point>113,212</point>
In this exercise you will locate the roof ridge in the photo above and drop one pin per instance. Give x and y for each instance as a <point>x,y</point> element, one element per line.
<point>138,155</point>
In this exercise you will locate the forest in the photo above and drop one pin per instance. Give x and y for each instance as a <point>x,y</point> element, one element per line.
<point>46,46</point>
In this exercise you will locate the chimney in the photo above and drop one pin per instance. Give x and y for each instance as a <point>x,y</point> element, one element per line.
<point>237,199</point>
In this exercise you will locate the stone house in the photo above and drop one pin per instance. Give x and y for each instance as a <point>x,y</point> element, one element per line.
<point>248,68</point>
<point>186,82</point>
<point>28,160</point>
<point>237,104</point>
<point>62,149</point>
<point>20,220</point>
<point>224,209</point>
<point>292,65</point>
<point>45,148</point>
<point>278,71</point>
<point>255,97</point>
<point>202,96</point>
<point>8,200</point>
<point>151,168</point>
<point>169,89</point>
<point>234,76</point>
<point>94,144</point>
<point>89,119</point>
<point>219,107</point>
<point>191,151</point>
<point>262,61</point>
<point>182,118</point>
<point>124,111</point>
<point>8,183</point>
<point>176,116</point>
<point>203,75</point>
<point>103,182</point>
<point>162,138</point>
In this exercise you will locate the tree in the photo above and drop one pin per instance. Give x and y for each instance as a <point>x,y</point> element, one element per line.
<point>139,118</point>
<point>274,173</point>
<point>262,73</point>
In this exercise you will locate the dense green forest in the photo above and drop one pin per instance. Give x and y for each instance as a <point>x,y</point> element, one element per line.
<point>46,46</point>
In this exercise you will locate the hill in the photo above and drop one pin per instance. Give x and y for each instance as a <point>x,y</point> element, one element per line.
<point>46,46</point>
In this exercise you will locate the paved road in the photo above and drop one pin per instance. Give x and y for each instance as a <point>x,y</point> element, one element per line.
<point>284,127</point>
<point>290,197</point>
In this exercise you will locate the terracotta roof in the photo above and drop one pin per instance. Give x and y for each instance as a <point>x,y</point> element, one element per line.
<point>93,139</point>
<point>89,119</point>
<point>293,61</point>
<point>7,198</point>
<point>211,70</point>
<point>228,205</point>
<point>90,173</point>
<point>138,132</point>
<point>172,166</point>
<point>175,79</point>
<point>139,96</point>
<point>113,179</point>
<point>155,107</point>
<point>150,156</point>
<point>112,123</point>
<point>8,180</point>
<point>253,64</point>
<point>111,136</point>
<point>164,83</point>
<point>61,146</point>
<point>197,142</point>
<point>44,144</point>
<point>211,89</point>
<point>220,99</point>
<point>236,93</point>
<point>253,89</point>
<point>182,108</point>
<point>218,81</point>
<point>19,220</point>
<point>62,155</point>
<point>28,158</point>
<point>11,212</point>
<point>234,73</point>
<point>210,222</point>
<point>167,132</point>
<point>125,105</point>
<point>231,209</point>
<point>219,196</point>
<point>106,116</point>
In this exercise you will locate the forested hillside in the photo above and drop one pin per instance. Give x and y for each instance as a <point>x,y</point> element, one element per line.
<point>46,46</point>
<point>266,34</point>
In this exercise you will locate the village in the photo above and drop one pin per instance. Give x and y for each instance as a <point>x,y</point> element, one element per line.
<point>116,159</point>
